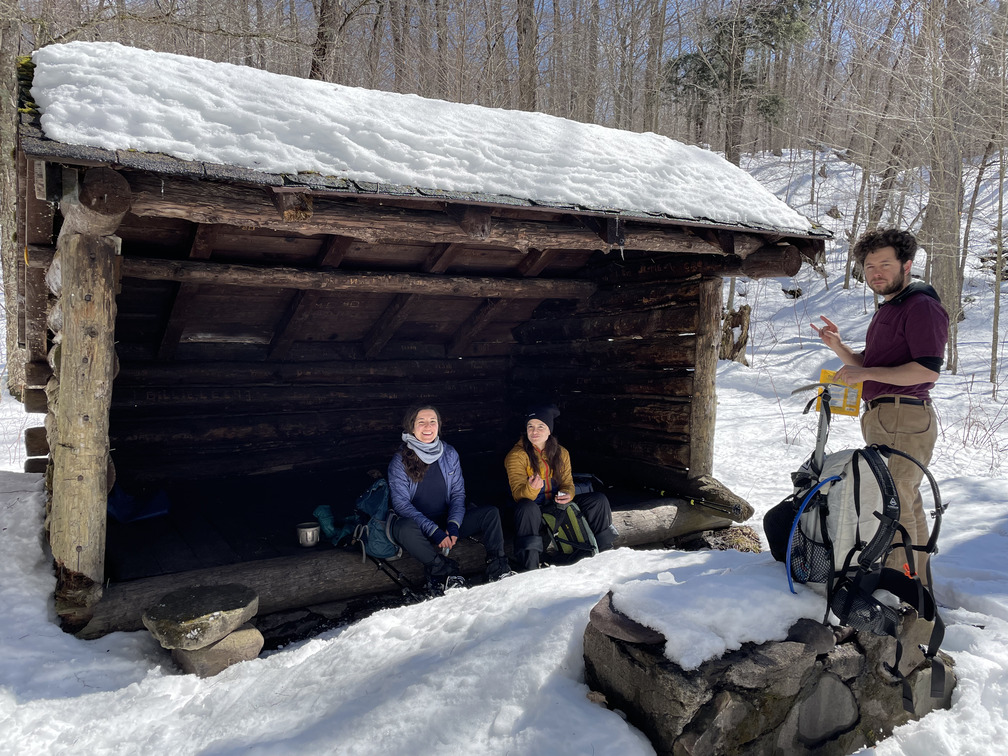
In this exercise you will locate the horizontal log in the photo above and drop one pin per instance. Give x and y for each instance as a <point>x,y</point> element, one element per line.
<point>665,453</point>
<point>430,284</point>
<point>171,400</point>
<point>36,443</point>
<point>36,300</point>
<point>35,400</point>
<point>630,297</point>
<point>326,574</point>
<point>250,207</point>
<point>380,220</point>
<point>666,414</point>
<point>349,373</point>
<point>96,205</point>
<point>769,262</point>
<point>37,374</point>
<point>656,352</point>
<point>36,465</point>
<point>304,279</point>
<point>765,262</point>
<point>562,380</point>
<point>613,325</point>
<point>397,349</point>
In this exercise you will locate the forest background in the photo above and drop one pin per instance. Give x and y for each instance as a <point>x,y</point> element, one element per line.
<point>911,91</point>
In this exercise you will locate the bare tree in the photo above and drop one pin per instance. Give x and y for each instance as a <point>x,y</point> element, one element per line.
<point>528,40</point>
<point>949,54</point>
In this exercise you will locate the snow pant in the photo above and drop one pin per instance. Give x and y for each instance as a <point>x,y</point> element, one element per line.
<point>481,520</point>
<point>528,543</point>
<point>913,430</point>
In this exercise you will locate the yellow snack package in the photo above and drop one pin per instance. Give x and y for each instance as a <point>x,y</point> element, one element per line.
<point>845,399</point>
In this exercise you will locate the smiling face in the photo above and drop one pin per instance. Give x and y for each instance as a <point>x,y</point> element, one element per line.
<point>885,274</point>
<point>537,432</point>
<point>425,426</point>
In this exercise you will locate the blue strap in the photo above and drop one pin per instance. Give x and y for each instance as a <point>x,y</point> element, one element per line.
<point>794,527</point>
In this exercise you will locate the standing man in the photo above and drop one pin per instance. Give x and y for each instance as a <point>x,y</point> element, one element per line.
<point>903,353</point>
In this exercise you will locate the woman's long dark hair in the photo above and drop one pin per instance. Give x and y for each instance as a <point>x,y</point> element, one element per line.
<point>551,451</point>
<point>416,468</point>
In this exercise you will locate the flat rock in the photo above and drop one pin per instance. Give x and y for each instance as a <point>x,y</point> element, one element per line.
<point>815,635</point>
<point>194,617</point>
<point>243,644</point>
<point>615,624</point>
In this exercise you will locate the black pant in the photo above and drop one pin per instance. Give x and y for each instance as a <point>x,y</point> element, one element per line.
<point>484,520</point>
<point>528,519</point>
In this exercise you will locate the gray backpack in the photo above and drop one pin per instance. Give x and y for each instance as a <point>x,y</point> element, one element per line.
<point>835,531</point>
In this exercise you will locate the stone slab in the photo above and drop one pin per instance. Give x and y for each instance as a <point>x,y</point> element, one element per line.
<point>243,644</point>
<point>196,616</point>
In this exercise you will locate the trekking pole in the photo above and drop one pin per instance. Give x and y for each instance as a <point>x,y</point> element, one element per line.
<point>397,577</point>
<point>734,511</point>
<point>824,420</point>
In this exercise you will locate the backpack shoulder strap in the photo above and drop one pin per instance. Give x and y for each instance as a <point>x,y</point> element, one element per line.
<point>890,514</point>
<point>939,509</point>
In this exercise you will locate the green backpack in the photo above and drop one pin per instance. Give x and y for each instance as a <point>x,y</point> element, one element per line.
<point>568,532</point>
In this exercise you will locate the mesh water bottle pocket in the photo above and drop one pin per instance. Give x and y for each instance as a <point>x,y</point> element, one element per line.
<point>810,559</point>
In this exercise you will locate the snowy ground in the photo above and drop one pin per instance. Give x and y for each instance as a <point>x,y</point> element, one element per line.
<point>498,669</point>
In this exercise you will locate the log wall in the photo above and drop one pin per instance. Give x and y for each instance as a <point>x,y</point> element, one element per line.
<point>624,368</point>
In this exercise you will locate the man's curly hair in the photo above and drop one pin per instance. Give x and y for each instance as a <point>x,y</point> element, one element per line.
<point>871,241</point>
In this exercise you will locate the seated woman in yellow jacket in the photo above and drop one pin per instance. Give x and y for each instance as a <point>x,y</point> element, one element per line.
<point>539,471</point>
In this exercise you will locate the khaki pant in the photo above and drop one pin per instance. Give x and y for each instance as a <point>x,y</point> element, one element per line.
<point>912,429</point>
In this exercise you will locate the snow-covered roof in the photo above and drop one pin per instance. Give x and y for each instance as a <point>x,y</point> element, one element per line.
<point>109,96</point>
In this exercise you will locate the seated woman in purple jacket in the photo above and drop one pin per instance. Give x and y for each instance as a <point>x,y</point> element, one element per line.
<point>428,497</point>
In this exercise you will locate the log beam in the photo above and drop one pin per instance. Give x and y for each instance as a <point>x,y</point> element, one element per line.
<point>187,271</point>
<point>96,205</point>
<point>250,207</point>
<point>36,443</point>
<point>327,574</point>
<point>766,262</point>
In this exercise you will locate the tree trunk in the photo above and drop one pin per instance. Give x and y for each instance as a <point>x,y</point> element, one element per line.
<point>944,208</point>
<point>653,67</point>
<point>528,39</point>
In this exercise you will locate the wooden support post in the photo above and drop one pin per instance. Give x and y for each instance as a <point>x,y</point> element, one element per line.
<point>704,403</point>
<point>87,254</point>
<point>80,456</point>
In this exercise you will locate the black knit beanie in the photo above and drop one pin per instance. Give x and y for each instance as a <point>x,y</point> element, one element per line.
<point>546,412</point>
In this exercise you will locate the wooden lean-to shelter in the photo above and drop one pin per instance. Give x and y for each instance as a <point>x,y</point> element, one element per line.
<point>230,332</point>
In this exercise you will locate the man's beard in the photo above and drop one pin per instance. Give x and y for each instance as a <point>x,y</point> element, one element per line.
<point>895,287</point>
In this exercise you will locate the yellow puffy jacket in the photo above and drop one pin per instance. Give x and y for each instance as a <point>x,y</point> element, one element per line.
<point>519,470</point>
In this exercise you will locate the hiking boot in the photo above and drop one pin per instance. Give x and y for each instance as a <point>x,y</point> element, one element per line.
<point>439,572</point>
<point>498,568</point>
<point>453,582</point>
<point>604,539</point>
